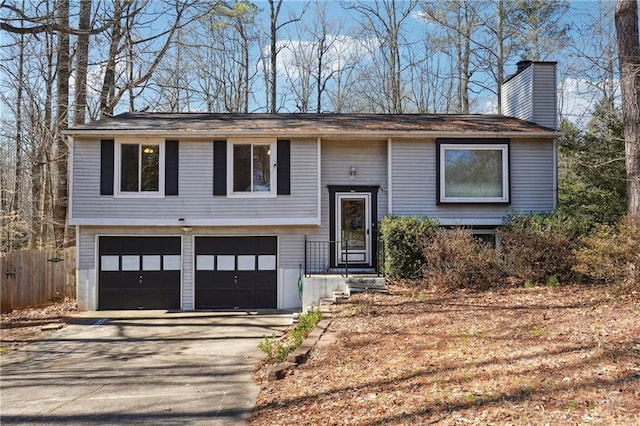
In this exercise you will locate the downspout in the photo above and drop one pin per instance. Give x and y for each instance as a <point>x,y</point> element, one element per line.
<point>555,174</point>
<point>389,177</point>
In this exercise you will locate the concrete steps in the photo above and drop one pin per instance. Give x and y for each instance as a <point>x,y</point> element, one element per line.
<point>366,284</point>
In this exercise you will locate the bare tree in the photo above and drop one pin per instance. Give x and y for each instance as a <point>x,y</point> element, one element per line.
<point>82,63</point>
<point>383,21</point>
<point>460,20</point>
<point>274,48</point>
<point>63,73</point>
<point>626,19</point>
<point>133,56</point>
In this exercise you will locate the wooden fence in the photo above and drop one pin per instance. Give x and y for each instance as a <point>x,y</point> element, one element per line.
<point>36,278</point>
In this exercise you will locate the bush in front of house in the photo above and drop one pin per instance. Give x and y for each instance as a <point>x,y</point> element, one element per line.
<point>403,239</point>
<point>539,249</point>
<point>612,254</point>
<point>455,259</point>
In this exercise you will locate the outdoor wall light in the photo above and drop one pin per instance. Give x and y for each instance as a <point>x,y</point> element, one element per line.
<point>186,229</point>
<point>352,172</point>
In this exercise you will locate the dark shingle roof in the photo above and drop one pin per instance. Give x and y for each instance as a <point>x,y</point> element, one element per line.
<point>147,123</point>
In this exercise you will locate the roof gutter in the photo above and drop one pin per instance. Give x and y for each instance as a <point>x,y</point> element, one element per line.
<point>354,135</point>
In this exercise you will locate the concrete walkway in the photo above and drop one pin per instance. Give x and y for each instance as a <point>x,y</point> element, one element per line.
<point>144,367</point>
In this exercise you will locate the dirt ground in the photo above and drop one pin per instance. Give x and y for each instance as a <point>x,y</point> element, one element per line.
<point>22,326</point>
<point>543,355</point>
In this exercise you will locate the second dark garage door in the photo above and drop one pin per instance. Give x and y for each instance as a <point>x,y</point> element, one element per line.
<point>236,272</point>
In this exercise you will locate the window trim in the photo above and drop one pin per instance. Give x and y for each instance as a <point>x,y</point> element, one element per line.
<point>117,191</point>
<point>495,145</point>
<point>273,184</point>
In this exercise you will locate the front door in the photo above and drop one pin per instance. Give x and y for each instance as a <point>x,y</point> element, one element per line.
<point>353,228</point>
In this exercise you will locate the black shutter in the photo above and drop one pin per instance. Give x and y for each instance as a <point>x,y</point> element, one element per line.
<point>220,168</point>
<point>171,162</point>
<point>284,167</point>
<point>106,166</point>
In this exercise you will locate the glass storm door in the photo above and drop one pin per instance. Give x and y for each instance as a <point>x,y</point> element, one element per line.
<point>353,228</point>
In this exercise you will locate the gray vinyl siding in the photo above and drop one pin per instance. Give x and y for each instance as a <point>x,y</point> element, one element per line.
<point>85,248</point>
<point>369,159</point>
<point>187,273</point>
<point>414,182</point>
<point>195,200</point>
<point>532,95</point>
<point>544,95</point>
<point>516,95</point>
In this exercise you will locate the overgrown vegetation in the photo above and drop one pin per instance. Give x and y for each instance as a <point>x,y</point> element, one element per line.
<point>612,254</point>
<point>551,249</point>
<point>456,259</point>
<point>538,247</point>
<point>592,176</point>
<point>403,240</point>
<point>277,349</point>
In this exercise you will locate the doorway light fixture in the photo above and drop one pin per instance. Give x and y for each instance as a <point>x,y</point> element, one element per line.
<point>352,172</point>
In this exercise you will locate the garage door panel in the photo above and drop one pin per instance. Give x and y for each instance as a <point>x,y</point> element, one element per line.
<point>139,272</point>
<point>230,270</point>
<point>266,245</point>
<point>119,280</point>
<point>159,279</point>
<point>266,299</point>
<point>114,299</point>
<point>215,299</point>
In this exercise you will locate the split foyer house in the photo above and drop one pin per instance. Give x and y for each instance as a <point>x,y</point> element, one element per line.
<point>219,211</point>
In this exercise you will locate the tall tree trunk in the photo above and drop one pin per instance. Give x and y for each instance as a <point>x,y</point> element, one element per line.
<point>82,60</point>
<point>274,6</point>
<point>500,52</point>
<point>109,80</point>
<point>15,199</point>
<point>629,50</point>
<point>62,150</point>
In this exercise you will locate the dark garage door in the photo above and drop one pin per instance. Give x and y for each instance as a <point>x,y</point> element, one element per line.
<point>236,273</point>
<point>139,273</point>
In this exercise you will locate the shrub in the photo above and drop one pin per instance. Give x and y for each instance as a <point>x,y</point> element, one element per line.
<point>456,259</point>
<point>538,247</point>
<point>276,350</point>
<point>401,237</point>
<point>612,254</point>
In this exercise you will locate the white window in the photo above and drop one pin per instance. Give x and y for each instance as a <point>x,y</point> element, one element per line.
<point>251,168</point>
<point>109,263</point>
<point>473,173</point>
<point>139,168</point>
<point>171,262</point>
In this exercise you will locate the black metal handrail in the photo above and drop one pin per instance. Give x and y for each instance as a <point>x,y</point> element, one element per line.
<point>318,256</point>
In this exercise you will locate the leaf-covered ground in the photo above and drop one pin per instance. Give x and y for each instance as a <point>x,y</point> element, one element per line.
<point>563,355</point>
<point>22,326</point>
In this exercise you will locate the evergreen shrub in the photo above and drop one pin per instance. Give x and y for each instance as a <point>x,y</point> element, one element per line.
<point>403,239</point>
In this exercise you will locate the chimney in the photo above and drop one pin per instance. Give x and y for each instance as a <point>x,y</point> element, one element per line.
<point>531,93</point>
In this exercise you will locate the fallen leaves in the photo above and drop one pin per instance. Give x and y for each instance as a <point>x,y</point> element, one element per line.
<point>22,326</point>
<point>520,356</point>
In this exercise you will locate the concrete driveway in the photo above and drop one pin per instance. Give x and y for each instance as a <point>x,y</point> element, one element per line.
<point>145,367</point>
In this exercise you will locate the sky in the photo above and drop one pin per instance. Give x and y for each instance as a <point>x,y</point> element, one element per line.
<point>577,94</point>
